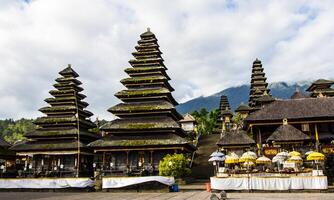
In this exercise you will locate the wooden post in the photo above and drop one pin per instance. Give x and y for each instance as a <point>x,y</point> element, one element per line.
<point>316,137</point>
<point>103,160</point>
<point>127,158</point>
<point>151,157</point>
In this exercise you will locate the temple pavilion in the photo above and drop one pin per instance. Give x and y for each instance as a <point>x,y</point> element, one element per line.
<point>223,106</point>
<point>148,125</point>
<point>58,147</point>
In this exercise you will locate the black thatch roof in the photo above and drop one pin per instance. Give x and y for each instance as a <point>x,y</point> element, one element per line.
<point>143,123</point>
<point>133,141</point>
<point>46,145</point>
<point>294,109</point>
<point>243,108</point>
<point>235,138</point>
<point>320,82</point>
<point>286,133</point>
<point>3,143</point>
<point>69,71</point>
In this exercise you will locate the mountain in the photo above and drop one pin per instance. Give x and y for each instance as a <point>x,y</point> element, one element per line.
<point>236,95</point>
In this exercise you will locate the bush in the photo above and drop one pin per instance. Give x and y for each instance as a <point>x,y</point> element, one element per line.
<point>175,165</point>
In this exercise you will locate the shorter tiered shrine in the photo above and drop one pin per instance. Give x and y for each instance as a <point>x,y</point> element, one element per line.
<point>58,146</point>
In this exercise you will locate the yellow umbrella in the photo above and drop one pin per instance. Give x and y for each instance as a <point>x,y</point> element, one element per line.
<point>315,156</point>
<point>248,164</point>
<point>295,159</point>
<point>231,159</point>
<point>263,160</point>
<point>294,153</point>
<point>246,158</point>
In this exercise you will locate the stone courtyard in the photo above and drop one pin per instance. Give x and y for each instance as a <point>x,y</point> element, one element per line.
<point>196,195</point>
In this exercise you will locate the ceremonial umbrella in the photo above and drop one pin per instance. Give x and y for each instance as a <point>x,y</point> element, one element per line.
<point>249,153</point>
<point>295,159</point>
<point>247,157</point>
<point>278,158</point>
<point>217,159</point>
<point>248,164</point>
<point>309,152</point>
<point>294,153</point>
<point>217,154</point>
<point>232,159</point>
<point>263,160</point>
<point>283,154</point>
<point>316,156</point>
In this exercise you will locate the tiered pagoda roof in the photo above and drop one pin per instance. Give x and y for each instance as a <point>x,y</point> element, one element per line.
<point>321,87</point>
<point>224,106</point>
<point>147,112</point>
<point>65,120</point>
<point>259,85</point>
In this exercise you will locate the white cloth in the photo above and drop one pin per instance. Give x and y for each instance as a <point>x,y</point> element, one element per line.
<point>45,183</point>
<point>270,183</point>
<point>118,182</point>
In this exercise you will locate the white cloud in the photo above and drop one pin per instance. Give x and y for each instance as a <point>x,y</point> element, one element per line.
<point>207,45</point>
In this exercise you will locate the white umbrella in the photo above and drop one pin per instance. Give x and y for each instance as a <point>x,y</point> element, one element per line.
<point>249,153</point>
<point>309,152</point>
<point>217,159</point>
<point>278,158</point>
<point>283,153</point>
<point>217,154</point>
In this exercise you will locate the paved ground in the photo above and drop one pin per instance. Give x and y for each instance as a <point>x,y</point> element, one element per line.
<point>197,195</point>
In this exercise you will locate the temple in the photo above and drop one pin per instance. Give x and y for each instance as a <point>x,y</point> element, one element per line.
<point>7,160</point>
<point>259,92</point>
<point>321,88</point>
<point>58,147</point>
<point>148,125</point>
<point>223,106</point>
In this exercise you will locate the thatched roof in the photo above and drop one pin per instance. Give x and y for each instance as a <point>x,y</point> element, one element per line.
<point>298,95</point>
<point>323,83</point>
<point>188,118</point>
<point>3,143</point>
<point>294,109</point>
<point>235,138</point>
<point>286,133</point>
<point>143,123</point>
<point>243,108</point>
<point>133,141</point>
<point>46,145</point>
<point>68,71</point>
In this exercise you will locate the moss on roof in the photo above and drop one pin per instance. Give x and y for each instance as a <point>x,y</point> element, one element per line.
<point>145,106</point>
<point>142,123</point>
<point>148,79</point>
<point>144,92</point>
<point>143,69</point>
<point>46,145</point>
<point>131,143</point>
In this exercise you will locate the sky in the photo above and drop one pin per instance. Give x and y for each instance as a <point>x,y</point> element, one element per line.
<point>207,45</point>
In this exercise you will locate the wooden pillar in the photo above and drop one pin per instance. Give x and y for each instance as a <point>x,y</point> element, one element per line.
<point>127,158</point>
<point>103,160</point>
<point>151,161</point>
<point>316,137</point>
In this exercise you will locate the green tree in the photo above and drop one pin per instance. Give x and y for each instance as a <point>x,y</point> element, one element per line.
<point>176,165</point>
<point>206,120</point>
<point>13,131</point>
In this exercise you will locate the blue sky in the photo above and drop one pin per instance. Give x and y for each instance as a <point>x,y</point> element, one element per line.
<point>207,45</point>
